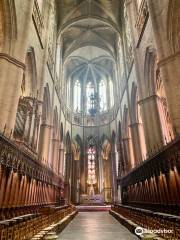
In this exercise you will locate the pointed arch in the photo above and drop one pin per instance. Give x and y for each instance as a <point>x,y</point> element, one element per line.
<point>149,71</point>
<point>29,83</point>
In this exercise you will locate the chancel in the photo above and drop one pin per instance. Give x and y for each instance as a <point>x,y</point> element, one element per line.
<point>89,119</point>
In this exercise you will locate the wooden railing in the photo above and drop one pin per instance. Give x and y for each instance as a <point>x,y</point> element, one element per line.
<point>26,226</point>
<point>151,220</point>
<point>18,159</point>
<point>155,181</point>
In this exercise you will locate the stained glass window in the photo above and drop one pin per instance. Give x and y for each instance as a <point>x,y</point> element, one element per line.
<point>89,92</point>
<point>111,90</point>
<point>91,165</point>
<point>102,96</point>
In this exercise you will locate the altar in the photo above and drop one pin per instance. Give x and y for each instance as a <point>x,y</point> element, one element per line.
<point>96,199</point>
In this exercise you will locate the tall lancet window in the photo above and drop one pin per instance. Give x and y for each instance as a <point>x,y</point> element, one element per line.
<point>111,93</point>
<point>77,96</point>
<point>90,91</point>
<point>102,96</point>
<point>68,94</point>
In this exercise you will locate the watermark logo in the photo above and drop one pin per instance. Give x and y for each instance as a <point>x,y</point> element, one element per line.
<point>139,231</point>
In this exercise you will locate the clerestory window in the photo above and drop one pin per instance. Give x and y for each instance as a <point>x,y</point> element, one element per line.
<point>77,96</point>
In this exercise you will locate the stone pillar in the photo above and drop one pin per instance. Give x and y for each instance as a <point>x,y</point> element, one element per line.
<point>12,67</point>
<point>139,146</point>
<point>169,58</point>
<point>128,154</point>
<point>55,154</point>
<point>152,123</point>
<point>44,142</point>
<point>61,150</point>
<point>113,176</point>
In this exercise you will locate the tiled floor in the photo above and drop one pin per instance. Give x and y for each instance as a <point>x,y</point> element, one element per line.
<point>95,226</point>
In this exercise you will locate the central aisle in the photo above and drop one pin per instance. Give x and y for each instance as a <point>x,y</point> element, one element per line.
<point>95,226</point>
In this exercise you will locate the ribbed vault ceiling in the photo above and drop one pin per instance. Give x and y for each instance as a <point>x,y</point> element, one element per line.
<point>88,33</point>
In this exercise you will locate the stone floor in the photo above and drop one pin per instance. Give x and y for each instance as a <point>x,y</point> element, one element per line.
<point>95,226</point>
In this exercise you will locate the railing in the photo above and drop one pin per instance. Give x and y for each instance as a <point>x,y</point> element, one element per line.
<point>17,158</point>
<point>151,220</point>
<point>27,226</point>
<point>160,162</point>
<point>87,120</point>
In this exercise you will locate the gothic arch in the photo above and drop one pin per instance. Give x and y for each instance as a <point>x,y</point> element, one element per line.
<point>29,82</point>
<point>127,140</point>
<point>149,71</point>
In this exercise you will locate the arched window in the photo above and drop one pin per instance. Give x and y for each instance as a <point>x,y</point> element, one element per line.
<point>77,96</point>
<point>102,96</point>
<point>89,92</point>
<point>111,93</point>
<point>68,94</point>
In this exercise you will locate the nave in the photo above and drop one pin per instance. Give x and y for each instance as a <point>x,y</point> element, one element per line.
<point>99,225</point>
<point>89,115</point>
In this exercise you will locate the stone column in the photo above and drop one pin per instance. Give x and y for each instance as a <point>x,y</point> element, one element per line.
<point>61,150</point>
<point>128,154</point>
<point>152,123</point>
<point>44,142</point>
<point>12,67</point>
<point>113,176</point>
<point>55,154</point>
<point>138,142</point>
<point>169,58</point>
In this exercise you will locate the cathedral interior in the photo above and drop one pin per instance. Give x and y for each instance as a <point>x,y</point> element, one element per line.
<point>89,119</point>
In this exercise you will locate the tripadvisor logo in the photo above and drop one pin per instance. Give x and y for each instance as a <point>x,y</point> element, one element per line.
<point>139,231</point>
